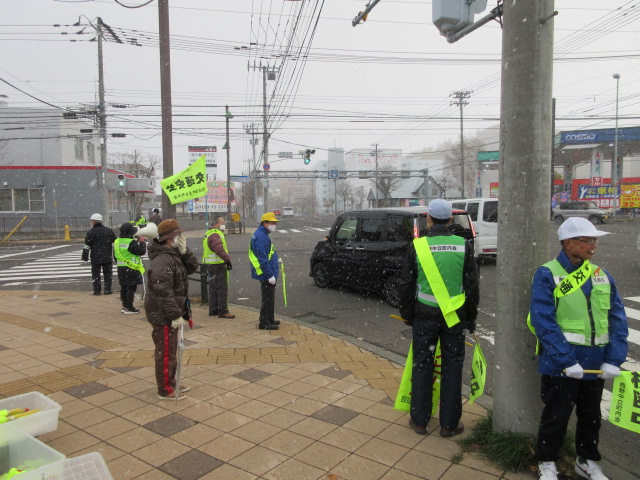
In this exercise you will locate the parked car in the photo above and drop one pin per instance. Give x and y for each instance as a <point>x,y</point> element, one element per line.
<point>586,209</point>
<point>287,211</point>
<point>365,249</point>
<point>484,213</point>
<point>277,213</point>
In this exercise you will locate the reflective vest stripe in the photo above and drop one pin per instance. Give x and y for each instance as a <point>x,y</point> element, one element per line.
<point>208,255</point>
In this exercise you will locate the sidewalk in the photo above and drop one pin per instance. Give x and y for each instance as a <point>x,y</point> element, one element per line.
<point>289,404</point>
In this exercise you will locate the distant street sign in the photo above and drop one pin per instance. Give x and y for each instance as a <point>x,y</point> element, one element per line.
<point>488,156</point>
<point>285,154</point>
<point>266,167</point>
<point>334,173</point>
<point>240,178</point>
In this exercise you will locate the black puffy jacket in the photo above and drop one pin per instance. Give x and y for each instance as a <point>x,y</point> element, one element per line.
<point>99,242</point>
<point>168,285</point>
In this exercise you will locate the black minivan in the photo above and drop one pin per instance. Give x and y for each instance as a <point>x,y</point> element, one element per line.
<point>365,249</point>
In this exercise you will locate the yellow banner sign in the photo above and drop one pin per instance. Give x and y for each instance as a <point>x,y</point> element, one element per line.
<point>625,401</point>
<point>478,373</point>
<point>189,183</point>
<point>403,399</point>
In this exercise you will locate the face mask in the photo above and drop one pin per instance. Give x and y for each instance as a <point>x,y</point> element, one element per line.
<point>221,228</point>
<point>272,228</point>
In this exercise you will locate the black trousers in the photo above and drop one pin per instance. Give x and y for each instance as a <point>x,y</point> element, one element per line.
<point>559,395</point>
<point>127,293</point>
<point>218,289</point>
<point>267,306</point>
<point>426,332</point>
<point>107,270</point>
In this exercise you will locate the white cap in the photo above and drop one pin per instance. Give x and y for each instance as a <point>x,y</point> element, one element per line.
<point>440,209</point>
<point>97,217</point>
<point>574,227</point>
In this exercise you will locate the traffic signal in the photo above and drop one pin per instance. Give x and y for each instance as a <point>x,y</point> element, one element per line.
<point>307,155</point>
<point>121,180</point>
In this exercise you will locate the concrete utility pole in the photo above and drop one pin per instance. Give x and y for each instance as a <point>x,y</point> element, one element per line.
<point>614,162</point>
<point>249,130</point>
<point>375,152</point>
<point>227,117</point>
<point>426,187</point>
<point>525,162</point>
<point>102,123</point>
<point>460,101</point>
<point>168,210</point>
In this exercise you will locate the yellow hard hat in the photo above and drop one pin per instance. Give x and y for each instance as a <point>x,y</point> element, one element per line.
<point>269,217</point>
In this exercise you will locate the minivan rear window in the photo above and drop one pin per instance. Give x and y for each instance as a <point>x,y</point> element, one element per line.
<point>490,212</point>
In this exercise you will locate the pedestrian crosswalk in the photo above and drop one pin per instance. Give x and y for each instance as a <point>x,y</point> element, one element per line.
<point>307,229</point>
<point>61,268</point>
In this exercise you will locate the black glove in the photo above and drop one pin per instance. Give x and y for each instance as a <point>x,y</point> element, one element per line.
<point>187,310</point>
<point>229,266</point>
<point>471,326</point>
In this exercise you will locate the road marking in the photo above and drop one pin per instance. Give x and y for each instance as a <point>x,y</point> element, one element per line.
<point>32,251</point>
<point>281,231</point>
<point>295,231</point>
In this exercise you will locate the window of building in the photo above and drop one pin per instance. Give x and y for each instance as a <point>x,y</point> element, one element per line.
<point>22,200</point>
<point>79,150</point>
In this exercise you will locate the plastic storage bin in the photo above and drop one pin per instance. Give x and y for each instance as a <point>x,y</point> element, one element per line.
<point>44,421</point>
<point>20,450</point>
<point>86,467</point>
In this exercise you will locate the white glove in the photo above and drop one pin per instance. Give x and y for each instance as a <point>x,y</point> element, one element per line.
<point>574,371</point>
<point>272,280</point>
<point>181,243</point>
<point>177,323</point>
<point>609,371</point>
<point>279,260</point>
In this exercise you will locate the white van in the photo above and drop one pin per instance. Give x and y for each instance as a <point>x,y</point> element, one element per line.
<point>484,213</point>
<point>287,211</point>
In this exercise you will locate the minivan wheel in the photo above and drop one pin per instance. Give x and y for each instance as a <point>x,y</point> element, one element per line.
<point>390,291</point>
<point>558,219</point>
<point>321,275</point>
<point>595,219</point>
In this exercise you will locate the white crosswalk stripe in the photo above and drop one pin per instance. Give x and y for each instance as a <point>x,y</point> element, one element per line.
<point>63,268</point>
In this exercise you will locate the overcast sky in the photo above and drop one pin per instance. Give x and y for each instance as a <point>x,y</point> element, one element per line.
<point>386,82</point>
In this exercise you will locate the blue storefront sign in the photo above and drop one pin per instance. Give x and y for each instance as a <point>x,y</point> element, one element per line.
<point>593,192</point>
<point>603,135</point>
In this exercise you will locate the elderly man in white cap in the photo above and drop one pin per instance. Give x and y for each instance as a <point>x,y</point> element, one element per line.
<point>439,299</point>
<point>580,322</point>
<point>98,243</point>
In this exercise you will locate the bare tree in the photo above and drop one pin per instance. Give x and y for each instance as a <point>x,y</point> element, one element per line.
<point>328,203</point>
<point>344,189</point>
<point>447,183</point>
<point>386,184</point>
<point>140,165</point>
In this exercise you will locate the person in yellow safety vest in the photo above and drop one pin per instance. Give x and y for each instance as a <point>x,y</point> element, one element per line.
<point>439,297</point>
<point>578,317</point>
<point>140,221</point>
<point>127,252</point>
<point>264,267</point>
<point>215,255</point>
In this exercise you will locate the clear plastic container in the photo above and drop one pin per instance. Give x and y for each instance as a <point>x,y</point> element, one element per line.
<point>90,466</point>
<point>39,423</point>
<point>20,450</point>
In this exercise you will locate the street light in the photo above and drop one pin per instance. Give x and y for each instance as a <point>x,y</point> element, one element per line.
<point>614,161</point>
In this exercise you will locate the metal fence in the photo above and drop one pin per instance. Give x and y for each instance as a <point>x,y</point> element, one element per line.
<point>42,225</point>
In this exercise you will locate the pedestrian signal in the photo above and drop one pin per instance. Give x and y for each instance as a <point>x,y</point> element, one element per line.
<point>307,155</point>
<point>121,180</point>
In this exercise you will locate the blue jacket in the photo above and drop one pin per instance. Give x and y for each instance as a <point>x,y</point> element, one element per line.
<point>261,245</point>
<point>558,354</point>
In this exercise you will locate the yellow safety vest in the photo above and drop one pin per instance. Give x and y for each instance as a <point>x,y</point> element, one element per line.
<point>124,258</point>
<point>208,255</point>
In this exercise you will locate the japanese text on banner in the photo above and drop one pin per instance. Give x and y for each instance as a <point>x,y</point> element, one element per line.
<point>625,401</point>
<point>478,373</point>
<point>189,183</point>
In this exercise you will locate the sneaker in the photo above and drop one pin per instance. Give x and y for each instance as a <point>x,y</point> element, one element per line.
<point>130,311</point>
<point>173,396</point>
<point>108,292</point>
<point>227,315</point>
<point>547,471</point>
<point>590,469</point>
<point>184,388</point>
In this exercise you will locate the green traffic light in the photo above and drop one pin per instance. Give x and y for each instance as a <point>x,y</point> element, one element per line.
<point>307,161</point>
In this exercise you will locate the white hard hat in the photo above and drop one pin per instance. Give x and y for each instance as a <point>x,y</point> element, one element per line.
<point>574,227</point>
<point>97,217</point>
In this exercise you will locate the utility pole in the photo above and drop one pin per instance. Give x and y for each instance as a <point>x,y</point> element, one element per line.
<point>102,123</point>
<point>614,162</point>
<point>426,187</point>
<point>227,117</point>
<point>249,130</point>
<point>525,160</point>
<point>270,74</point>
<point>460,101</point>
<point>375,152</point>
<point>168,210</point>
